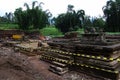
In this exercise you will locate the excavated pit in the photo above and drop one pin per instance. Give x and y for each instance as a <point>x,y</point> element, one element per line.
<point>17,66</point>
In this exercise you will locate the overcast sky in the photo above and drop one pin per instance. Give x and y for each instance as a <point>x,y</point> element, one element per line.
<point>91,7</point>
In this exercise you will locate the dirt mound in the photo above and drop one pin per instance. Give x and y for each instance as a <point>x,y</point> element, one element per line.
<point>16,66</point>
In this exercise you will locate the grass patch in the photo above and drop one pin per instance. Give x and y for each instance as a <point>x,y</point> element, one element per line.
<point>80,31</point>
<point>8,26</point>
<point>112,33</point>
<point>51,31</point>
<point>47,31</point>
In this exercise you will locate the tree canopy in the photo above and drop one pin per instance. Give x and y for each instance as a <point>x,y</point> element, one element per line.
<point>70,21</point>
<point>96,22</point>
<point>112,15</point>
<point>34,18</point>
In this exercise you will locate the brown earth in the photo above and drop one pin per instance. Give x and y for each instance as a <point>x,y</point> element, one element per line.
<point>17,66</point>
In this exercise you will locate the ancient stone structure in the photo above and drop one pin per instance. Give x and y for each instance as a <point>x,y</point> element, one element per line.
<point>93,54</point>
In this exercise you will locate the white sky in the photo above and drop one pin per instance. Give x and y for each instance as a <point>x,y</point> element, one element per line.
<point>91,7</point>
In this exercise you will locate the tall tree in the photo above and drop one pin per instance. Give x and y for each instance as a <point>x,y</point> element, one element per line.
<point>22,18</point>
<point>37,18</point>
<point>70,21</point>
<point>70,8</point>
<point>98,22</point>
<point>112,14</point>
<point>87,21</point>
<point>9,17</point>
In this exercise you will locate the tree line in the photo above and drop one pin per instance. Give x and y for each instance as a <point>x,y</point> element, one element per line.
<point>37,18</point>
<point>112,15</point>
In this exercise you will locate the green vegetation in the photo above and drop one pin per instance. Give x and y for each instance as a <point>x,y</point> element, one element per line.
<point>80,31</point>
<point>112,32</point>
<point>8,26</point>
<point>47,31</point>
<point>34,18</point>
<point>112,14</point>
<point>50,31</point>
<point>70,21</point>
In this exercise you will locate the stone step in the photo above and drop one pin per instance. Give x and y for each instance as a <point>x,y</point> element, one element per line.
<point>59,64</point>
<point>58,69</point>
<point>104,64</point>
<point>59,73</point>
<point>63,56</point>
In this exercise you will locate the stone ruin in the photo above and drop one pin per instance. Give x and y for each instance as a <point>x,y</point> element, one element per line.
<point>92,35</point>
<point>93,54</point>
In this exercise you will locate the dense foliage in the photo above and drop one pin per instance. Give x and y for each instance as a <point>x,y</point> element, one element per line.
<point>112,15</point>
<point>34,18</point>
<point>70,21</point>
<point>7,18</point>
<point>96,22</point>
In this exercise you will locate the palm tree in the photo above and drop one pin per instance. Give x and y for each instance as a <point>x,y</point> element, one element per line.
<point>111,11</point>
<point>41,3</point>
<point>70,21</point>
<point>36,17</point>
<point>80,15</point>
<point>70,8</point>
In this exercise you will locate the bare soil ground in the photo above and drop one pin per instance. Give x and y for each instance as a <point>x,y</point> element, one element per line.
<point>17,66</point>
